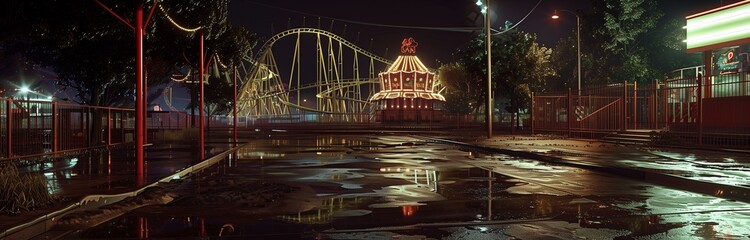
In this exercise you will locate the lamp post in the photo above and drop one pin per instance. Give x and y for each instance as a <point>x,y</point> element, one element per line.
<point>578,47</point>
<point>488,108</point>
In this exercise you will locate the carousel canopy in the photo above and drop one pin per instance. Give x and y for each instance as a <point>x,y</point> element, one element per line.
<point>407,77</point>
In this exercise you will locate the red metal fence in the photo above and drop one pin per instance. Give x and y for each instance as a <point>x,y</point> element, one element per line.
<point>33,128</point>
<point>714,110</point>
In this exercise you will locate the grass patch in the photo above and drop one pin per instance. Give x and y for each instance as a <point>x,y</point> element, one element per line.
<point>22,193</point>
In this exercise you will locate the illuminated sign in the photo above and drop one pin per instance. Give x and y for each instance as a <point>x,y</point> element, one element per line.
<point>409,45</point>
<point>722,27</point>
<point>727,61</point>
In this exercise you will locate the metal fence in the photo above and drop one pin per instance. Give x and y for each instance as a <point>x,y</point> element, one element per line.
<point>34,128</point>
<point>703,110</point>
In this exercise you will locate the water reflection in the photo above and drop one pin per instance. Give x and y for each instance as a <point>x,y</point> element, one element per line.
<point>426,176</point>
<point>400,184</point>
<point>409,210</point>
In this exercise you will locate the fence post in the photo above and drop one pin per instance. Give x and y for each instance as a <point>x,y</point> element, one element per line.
<point>109,126</point>
<point>570,114</point>
<point>635,104</point>
<point>666,103</point>
<point>699,102</point>
<point>9,122</point>
<point>55,126</point>
<point>625,106</point>
<point>532,112</point>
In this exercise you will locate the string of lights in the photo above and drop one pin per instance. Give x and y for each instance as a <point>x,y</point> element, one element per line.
<point>175,23</point>
<point>219,61</point>
<point>181,79</point>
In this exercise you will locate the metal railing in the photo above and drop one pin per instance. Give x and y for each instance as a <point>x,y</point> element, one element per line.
<point>34,128</point>
<point>701,110</point>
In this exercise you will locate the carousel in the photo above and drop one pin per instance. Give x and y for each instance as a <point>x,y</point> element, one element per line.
<point>407,90</point>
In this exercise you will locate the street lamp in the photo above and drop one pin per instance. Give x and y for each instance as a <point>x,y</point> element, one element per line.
<point>578,47</point>
<point>488,108</point>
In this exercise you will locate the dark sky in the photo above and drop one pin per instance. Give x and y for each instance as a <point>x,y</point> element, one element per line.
<point>266,17</point>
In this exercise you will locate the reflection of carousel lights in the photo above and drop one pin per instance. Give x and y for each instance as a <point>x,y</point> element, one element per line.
<point>404,170</point>
<point>409,211</point>
<point>429,177</point>
<point>325,212</point>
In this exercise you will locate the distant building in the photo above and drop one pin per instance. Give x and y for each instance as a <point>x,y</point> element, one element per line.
<point>407,90</point>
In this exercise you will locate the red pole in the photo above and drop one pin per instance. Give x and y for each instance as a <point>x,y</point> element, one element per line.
<point>201,146</point>
<point>139,92</point>
<point>234,111</point>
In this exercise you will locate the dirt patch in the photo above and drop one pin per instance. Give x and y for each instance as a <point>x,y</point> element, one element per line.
<point>90,218</point>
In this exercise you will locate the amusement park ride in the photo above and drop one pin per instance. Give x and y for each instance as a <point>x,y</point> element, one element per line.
<point>342,82</point>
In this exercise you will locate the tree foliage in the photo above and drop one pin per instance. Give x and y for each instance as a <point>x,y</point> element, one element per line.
<point>94,53</point>
<point>519,66</point>
<point>622,40</point>
<point>462,92</point>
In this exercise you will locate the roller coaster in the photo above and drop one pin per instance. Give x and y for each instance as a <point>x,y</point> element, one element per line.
<point>341,83</point>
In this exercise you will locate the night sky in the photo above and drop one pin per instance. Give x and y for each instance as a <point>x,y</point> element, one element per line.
<point>265,17</point>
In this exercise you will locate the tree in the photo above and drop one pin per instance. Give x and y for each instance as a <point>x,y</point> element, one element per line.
<point>563,61</point>
<point>624,40</point>
<point>522,66</point>
<point>519,66</point>
<point>472,60</point>
<point>461,91</point>
<point>93,52</point>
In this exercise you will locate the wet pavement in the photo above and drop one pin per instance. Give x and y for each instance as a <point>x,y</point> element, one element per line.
<point>385,186</point>
<point>719,171</point>
<point>108,171</point>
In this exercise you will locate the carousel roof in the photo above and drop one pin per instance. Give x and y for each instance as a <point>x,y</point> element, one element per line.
<point>409,63</point>
<point>407,77</point>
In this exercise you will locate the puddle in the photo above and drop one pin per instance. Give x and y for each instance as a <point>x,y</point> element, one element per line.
<point>320,184</point>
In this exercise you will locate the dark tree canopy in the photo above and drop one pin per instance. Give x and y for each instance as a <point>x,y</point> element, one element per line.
<point>462,93</point>
<point>519,66</point>
<point>622,40</point>
<point>94,53</point>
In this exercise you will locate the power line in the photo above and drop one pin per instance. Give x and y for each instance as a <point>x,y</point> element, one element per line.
<point>519,22</point>
<point>450,29</point>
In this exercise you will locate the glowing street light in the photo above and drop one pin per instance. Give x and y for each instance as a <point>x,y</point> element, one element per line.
<point>24,89</point>
<point>578,47</point>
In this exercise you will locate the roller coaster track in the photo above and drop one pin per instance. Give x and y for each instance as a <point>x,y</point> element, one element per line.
<point>266,91</point>
<point>269,43</point>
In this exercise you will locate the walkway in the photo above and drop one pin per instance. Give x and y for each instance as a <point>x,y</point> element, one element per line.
<point>718,173</point>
